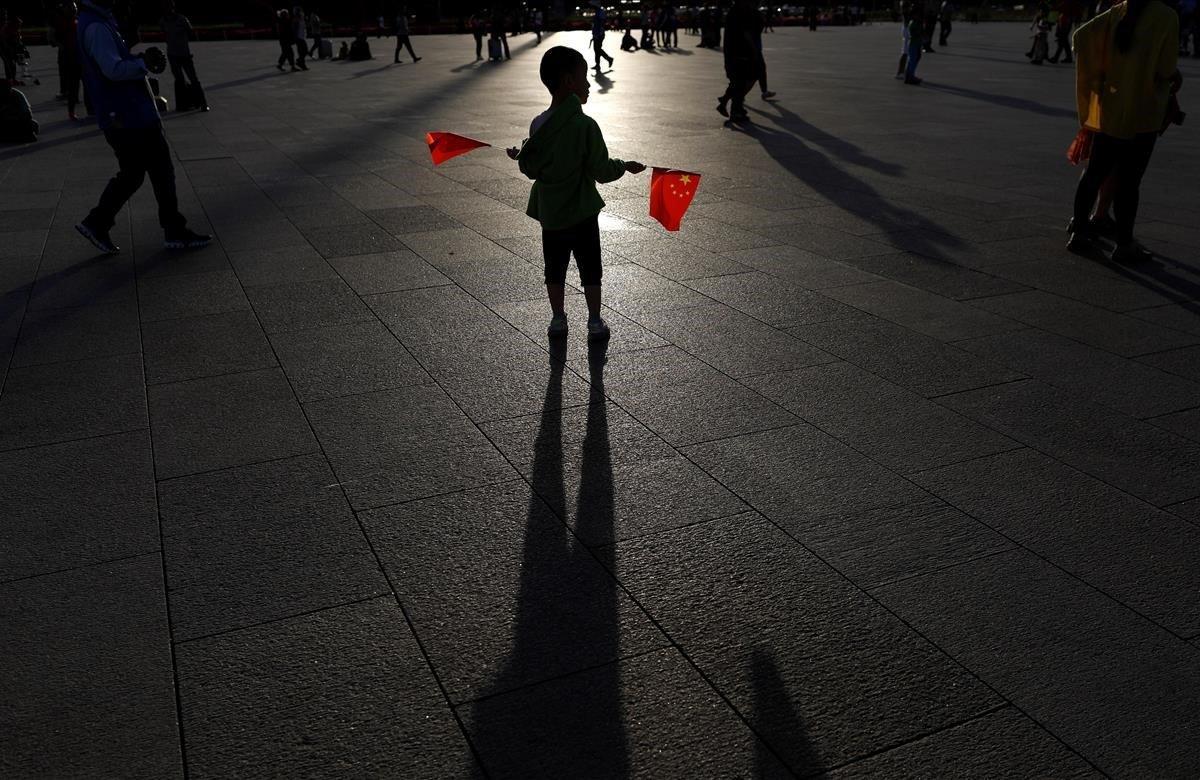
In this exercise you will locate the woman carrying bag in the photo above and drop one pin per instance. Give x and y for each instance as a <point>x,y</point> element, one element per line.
<point>1125,75</point>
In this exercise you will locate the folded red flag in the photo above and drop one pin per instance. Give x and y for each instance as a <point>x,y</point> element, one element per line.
<point>443,146</point>
<point>671,193</point>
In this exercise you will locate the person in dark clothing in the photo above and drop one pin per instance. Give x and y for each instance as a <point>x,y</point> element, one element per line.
<point>759,23</point>
<point>402,39</point>
<point>946,18</point>
<point>931,21</point>
<point>498,32</point>
<point>478,29</point>
<point>177,31</point>
<point>69,72</point>
<point>314,30</point>
<point>300,36</point>
<point>1062,36</point>
<point>702,24</point>
<point>742,60</point>
<point>128,116</point>
<point>811,12</point>
<point>287,39</point>
<point>599,25</point>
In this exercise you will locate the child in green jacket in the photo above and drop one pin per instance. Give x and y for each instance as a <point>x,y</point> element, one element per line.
<point>565,155</point>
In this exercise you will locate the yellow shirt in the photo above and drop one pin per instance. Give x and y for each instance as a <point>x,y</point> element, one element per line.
<point>1125,93</point>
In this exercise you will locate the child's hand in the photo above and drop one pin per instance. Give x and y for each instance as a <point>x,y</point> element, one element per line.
<point>634,167</point>
<point>512,152</point>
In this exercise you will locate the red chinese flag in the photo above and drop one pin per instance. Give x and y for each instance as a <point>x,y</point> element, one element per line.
<point>671,193</point>
<point>444,146</point>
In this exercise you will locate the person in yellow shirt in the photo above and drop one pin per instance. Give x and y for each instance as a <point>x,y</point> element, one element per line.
<point>1125,72</point>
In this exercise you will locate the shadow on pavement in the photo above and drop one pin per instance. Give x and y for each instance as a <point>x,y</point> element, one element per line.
<point>776,720</point>
<point>1021,104</point>
<point>809,165</point>
<point>273,73</point>
<point>373,71</point>
<point>573,727</point>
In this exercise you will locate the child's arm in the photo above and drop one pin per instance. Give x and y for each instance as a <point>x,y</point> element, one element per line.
<point>514,153</point>
<point>599,166</point>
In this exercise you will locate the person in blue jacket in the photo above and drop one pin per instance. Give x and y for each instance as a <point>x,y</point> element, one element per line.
<point>127,114</point>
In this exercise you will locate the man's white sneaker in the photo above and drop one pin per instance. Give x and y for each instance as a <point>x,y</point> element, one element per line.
<point>597,329</point>
<point>558,325</point>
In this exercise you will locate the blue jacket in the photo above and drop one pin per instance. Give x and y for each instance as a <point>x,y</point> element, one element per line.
<point>115,80</point>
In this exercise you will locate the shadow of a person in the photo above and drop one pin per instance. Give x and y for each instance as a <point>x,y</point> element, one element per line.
<point>838,147</point>
<point>564,718</point>
<point>605,83</point>
<point>786,144</point>
<point>1007,101</point>
<point>777,722</point>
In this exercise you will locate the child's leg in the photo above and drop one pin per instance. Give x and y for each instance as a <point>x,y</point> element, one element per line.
<point>556,293</point>
<point>586,245</point>
<point>556,252</point>
<point>591,293</point>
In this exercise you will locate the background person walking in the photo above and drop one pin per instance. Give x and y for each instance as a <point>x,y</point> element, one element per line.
<point>402,36</point>
<point>314,29</point>
<point>599,23</point>
<point>126,112</point>
<point>287,38</point>
<point>300,36</point>
<point>742,59</point>
<point>945,20</point>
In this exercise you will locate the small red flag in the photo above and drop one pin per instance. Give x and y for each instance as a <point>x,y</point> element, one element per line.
<point>671,193</point>
<point>444,146</point>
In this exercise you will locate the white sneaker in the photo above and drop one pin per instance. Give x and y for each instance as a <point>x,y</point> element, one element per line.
<point>558,325</point>
<point>597,329</point>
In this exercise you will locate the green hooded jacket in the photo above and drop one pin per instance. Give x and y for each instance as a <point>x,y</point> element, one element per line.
<point>565,158</point>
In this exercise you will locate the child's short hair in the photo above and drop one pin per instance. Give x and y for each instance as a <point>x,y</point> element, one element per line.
<point>559,61</point>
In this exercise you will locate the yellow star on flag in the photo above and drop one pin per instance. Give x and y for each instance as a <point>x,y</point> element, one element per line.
<point>685,179</point>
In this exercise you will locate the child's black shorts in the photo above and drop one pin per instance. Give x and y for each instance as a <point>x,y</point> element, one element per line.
<point>582,239</point>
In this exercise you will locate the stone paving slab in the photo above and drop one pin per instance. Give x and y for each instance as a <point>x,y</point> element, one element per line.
<point>1078,666</point>
<point>1002,744</point>
<point>86,653</point>
<point>872,477</point>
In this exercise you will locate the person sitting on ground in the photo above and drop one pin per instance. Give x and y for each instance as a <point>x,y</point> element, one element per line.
<point>17,125</point>
<point>343,51</point>
<point>628,42</point>
<point>566,157</point>
<point>360,50</point>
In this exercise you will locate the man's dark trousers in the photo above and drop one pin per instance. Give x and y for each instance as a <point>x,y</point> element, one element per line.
<point>140,152</point>
<point>184,65</point>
